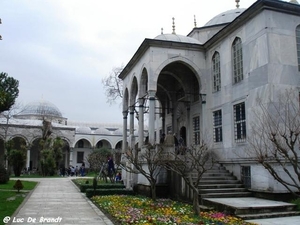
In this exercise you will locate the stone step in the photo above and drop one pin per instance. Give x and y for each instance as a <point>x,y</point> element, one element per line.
<point>218,178</point>
<point>216,175</point>
<point>226,195</point>
<point>249,208</point>
<point>268,215</point>
<point>214,186</point>
<point>222,190</point>
<point>213,181</point>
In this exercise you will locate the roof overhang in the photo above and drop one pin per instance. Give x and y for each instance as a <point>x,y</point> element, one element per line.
<point>147,43</point>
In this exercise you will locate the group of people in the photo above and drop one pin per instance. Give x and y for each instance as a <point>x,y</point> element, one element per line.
<point>111,170</point>
<point>72,171</point>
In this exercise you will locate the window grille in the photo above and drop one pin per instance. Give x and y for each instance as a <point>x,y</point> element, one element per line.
<point>218,137</point>
<point>80,156</point>
<point>246,176</point>
<point>239,122</point>
<point>237,55</point>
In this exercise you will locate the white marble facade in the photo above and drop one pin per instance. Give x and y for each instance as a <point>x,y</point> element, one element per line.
<point>176,71</point>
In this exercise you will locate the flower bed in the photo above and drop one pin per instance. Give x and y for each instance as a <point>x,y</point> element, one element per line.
<point>142,210</point>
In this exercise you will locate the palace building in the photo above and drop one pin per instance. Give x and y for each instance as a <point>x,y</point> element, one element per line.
<point>206,82</point>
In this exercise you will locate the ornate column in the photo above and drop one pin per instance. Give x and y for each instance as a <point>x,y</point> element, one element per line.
<point>124,144</point>
<point>141,122</point>
<point>70,158</point>
<point>151,116</point>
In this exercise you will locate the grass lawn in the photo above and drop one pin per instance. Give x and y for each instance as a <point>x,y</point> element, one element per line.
<point>143,211</point>
<point>10,199</point>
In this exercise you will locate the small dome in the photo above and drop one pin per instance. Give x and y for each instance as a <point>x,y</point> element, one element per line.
<point>225,17</point>
<point>177,38</point>
<point>294,1</point>
<point>118,132</point>
<point>41,108</point>
<point>83,130</point>
<point>102,131</point>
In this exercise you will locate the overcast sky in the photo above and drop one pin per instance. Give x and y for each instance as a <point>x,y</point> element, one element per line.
<point>60,50</point>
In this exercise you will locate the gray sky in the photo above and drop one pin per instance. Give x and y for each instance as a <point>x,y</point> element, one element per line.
<point>60,50</point>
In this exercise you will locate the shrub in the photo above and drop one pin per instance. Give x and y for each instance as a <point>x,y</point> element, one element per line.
<point>17,159</point>
<point>90,192</point>
<point>297,202</point>
<point>84,187</point>
<point>18,185</point>
<point>4,177</point>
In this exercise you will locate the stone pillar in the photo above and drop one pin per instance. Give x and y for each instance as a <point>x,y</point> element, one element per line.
<point>131,127</point>
<point>70,158</point>
<point>28,159</point>
<point>124,144</point>
<point>141,122</point>
<point>188,126</point>
<point>151,116</point>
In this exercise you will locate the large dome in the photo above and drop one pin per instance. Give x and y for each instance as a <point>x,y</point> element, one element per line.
<point>41,108</point>
<point>225,17</point>
<point>177,38</point>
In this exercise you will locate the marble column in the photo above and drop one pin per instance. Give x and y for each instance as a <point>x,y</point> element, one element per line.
<point>141,122</point>
<point>131,127</point>
<point>151,116</point>
<point>124,144</point>
<point>28,159</point>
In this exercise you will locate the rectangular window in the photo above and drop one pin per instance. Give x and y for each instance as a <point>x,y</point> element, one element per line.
<point>196,130</point>
<point>218,137</point>
<point>239,122</point>
<point>80,156</point>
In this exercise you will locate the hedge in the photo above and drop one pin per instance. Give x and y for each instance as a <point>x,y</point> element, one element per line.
<point>84,187</point>
<point>116,191</point>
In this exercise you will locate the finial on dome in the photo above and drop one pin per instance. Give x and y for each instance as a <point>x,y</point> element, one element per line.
<point>162,31</point>
<point>195,22</point>
<point>237,4</point>
<point>173,26</point>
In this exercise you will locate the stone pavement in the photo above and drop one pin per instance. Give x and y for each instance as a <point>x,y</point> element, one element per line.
<point>58,201</point>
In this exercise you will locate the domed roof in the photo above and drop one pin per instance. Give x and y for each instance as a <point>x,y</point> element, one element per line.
<point>177,38</point>
<point>102,130</point>
<point>83,130</point>
<point>43,108</point>
<point>225,17</point>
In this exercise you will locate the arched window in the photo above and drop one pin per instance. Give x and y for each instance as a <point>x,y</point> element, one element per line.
<point>298,44</point>
<point>216,72</point>
<point>237,58</point>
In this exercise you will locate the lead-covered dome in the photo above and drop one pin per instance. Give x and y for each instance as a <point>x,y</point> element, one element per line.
<point>44,108</point>
<point>225,17</point>
<point>177,38</point>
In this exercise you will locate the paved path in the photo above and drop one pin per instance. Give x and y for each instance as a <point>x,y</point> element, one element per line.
<point>58,201</point>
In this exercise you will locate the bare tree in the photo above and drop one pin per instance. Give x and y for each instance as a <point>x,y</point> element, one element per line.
<point>113,85</point>
<point>274,140</point>
<point>148,162</point>
<point>191,165</point>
